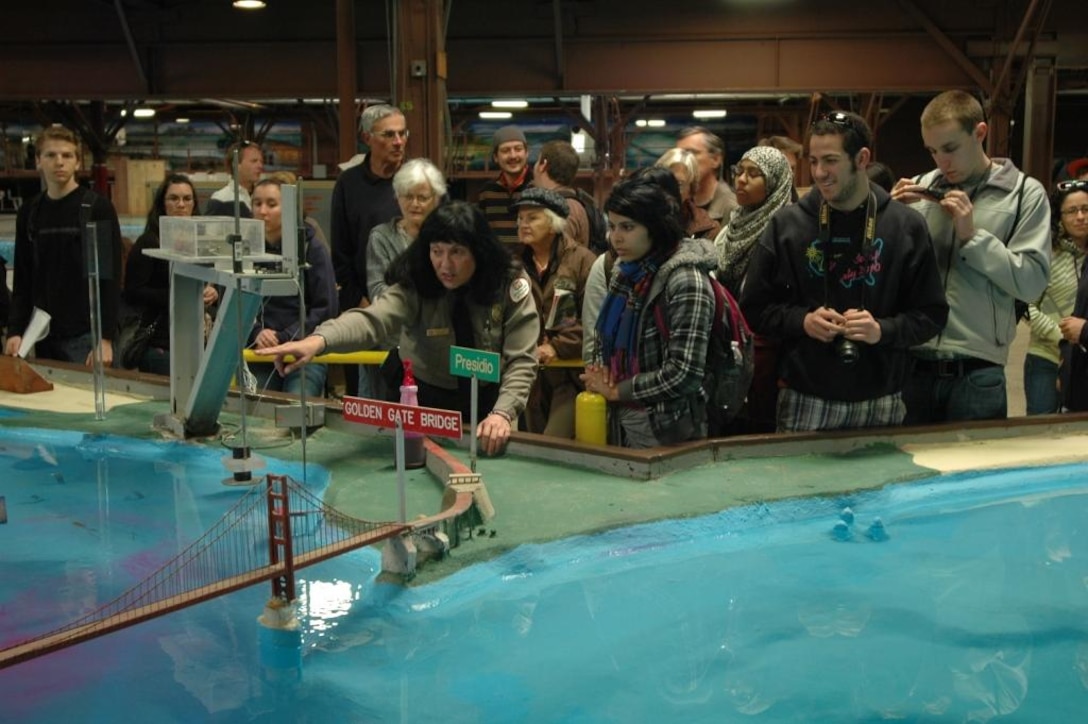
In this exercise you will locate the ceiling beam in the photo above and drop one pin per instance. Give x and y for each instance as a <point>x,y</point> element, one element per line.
<point>557,21</point>
<point>131,42</point>
<point>946,44</point>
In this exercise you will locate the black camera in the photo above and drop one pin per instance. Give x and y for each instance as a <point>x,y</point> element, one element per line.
<point>847,351</point>
<point>934,193</point>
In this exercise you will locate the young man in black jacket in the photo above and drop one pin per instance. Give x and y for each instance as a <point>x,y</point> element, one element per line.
<point>51,271</point>
<point>846,281</point>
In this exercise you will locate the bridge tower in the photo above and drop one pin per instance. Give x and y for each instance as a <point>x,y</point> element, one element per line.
<point>280,548</point>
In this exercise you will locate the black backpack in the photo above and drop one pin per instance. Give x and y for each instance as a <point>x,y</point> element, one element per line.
<point>598,222</point>
<point>730,358</point>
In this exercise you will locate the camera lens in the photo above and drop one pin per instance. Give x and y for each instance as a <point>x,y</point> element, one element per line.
<point>847,351</point>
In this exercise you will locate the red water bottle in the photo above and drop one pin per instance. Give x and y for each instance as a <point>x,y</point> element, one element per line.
<point>414,453</point>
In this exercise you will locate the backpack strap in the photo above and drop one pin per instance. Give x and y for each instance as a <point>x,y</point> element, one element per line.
<point>1019,205</point>
<point>85,204</point>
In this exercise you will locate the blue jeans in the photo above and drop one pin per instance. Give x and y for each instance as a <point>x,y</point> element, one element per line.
<point>66,349</point>
<point>270,380</point>
<point>977,395</point>
<point>1041,386</point>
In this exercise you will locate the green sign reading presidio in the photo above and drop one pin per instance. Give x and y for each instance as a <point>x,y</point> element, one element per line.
<point>468,362</point>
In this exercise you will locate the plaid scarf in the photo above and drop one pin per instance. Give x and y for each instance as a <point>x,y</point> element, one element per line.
<point>618,323</point>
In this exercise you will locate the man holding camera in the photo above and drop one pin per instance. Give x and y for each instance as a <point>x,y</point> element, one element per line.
<point>847,283</point>
<point>990,226</point>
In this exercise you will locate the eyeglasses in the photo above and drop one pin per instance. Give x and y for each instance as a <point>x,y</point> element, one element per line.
<point>840,119</point>
<point>752,172</point>
<point>1077,185</point>
<point>1075,210</point>
<point>391,134</point>
<point>421,199</point>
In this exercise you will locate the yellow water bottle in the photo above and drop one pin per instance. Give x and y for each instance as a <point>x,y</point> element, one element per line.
<point>591,418</point>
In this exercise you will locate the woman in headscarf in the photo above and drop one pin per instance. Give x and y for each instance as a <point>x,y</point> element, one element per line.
<point>764,184</point>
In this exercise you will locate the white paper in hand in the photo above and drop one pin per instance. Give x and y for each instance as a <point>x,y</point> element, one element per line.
<point>36,330</point>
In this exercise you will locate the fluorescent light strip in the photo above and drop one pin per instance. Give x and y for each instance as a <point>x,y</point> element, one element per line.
<point>496,115</point>
<point>509,104</point>
<point>709,113</point>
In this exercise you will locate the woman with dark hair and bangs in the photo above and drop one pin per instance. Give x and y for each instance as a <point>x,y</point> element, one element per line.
<point>455,284</point>
<point>147,280</point>
<point>654,324</point>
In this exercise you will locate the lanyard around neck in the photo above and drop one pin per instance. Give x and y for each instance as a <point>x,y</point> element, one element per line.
<point>868,237</point>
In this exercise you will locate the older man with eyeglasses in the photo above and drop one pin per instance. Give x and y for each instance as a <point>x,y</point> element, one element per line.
<point>363,198</point>
<point>990,225</point>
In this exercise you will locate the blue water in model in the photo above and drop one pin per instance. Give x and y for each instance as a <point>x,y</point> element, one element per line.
<point>958,599</point>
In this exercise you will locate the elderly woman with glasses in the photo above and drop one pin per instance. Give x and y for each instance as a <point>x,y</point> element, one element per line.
<point>419,187</point>
<point>1069,214</point>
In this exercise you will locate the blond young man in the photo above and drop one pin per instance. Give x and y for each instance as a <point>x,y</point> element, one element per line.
<point>990,226</point>
<point>51,270</point>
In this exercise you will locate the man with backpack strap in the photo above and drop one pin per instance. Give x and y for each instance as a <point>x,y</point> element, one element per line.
<point>990,226</point>
<point>845,280</point>
<point>51,265</point>
<point>555,169</point>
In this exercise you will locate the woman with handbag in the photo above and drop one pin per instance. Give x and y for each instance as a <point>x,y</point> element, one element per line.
<point>144,338</point>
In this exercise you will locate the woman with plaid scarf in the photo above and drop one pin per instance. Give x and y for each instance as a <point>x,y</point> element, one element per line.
<point>654,386</point>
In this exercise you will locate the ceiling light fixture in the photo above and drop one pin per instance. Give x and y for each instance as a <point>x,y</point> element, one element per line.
<point>496,115</point>
<point>510,104</point>
<point>143,113</point>
<point>181,120</point>
<point>709,113</point>
<point>249,4</point>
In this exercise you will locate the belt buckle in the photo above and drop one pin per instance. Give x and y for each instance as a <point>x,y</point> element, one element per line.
<point>949,368</point>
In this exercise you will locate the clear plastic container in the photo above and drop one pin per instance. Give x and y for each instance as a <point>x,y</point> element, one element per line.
<point>205,237</point>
